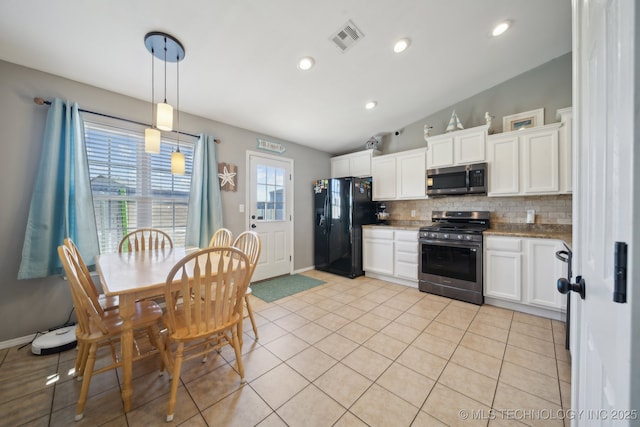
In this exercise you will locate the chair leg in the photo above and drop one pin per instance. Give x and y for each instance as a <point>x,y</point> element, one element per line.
<point>158,343</point>
<point>175,382</point>
<point>253,320</point>
<point>86,381</point>
<point>81,361</point>
<point>237,348</point>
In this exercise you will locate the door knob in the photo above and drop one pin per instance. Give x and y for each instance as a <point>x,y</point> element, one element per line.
<point>253,226</point>
<point>564,286</point>
<point>253,217</point>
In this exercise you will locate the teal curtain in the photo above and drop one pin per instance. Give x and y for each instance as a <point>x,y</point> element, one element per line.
<point>62,202</point>
<point>204,215</point>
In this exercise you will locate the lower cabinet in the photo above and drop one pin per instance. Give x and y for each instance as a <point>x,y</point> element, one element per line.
<point>524,271</point>
<point>391,254</point>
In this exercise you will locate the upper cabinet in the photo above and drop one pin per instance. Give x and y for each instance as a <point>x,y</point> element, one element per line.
<point>533,161</point>
<point>353,164</point>
<point>400,175</point>
<point>461,147</point>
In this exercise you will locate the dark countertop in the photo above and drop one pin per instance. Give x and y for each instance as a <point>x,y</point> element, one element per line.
<point>542,231</point>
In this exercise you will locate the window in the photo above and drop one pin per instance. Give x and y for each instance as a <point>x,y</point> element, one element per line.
<point>270,193</point>
<point>133,189</point>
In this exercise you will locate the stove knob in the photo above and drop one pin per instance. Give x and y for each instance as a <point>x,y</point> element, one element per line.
<point>469,237</point>
<point>460,236</point>
<point>445,236</point>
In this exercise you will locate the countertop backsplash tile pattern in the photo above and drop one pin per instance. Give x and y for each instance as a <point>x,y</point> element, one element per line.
<point>554,209</point>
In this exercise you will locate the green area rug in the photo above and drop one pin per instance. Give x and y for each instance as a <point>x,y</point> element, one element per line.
<point>283,286</point>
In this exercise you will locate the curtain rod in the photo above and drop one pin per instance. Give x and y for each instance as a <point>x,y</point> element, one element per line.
<point>41,101</point>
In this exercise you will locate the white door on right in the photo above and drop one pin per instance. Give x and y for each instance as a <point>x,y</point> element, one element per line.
<point>605,334</point>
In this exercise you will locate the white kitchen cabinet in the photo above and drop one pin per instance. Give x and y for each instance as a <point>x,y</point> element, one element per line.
<point>503,268</point>
<point>400,175</point>
<point>391,254</point>
<point>377,250</point>
<point>565,137</point>
<point>524,271</point>
<point>353,164</point>
<point>461,147</point>
<point>383,177</point>
<point>544,270</point>
<point>406,254</point>
<point>524,162</point>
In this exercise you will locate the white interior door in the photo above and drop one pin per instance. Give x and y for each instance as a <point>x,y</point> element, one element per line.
<point>605,341</point>
<point>269,210</point>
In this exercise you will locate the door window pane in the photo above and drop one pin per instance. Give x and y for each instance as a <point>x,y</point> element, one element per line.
<point>270,198</point>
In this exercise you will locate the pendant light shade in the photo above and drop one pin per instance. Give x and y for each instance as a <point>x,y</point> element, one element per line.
<point>152,140</point>
<point>177,162</point>
<point>164,116</point>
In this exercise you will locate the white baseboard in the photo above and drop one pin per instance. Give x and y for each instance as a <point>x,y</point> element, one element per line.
<point>16,341</point>
<point>524,308</point>
<point>302,270</point>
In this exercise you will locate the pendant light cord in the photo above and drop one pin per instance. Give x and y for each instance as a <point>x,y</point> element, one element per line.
<point>165,70</point>
<point>177,100</point>
<point>153,97</point>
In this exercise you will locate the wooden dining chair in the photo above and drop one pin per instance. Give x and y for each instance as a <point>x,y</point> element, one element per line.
<point>97,328</point>
<point>250,244</point>
<point>107,303</point>
<point>204,293</point>
<point>144,239</point>
<point>222,237</point>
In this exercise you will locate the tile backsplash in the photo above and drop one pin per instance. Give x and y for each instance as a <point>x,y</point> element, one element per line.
<point>554,209</point>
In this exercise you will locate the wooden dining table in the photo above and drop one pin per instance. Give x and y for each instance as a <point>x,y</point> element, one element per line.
<point>132,276</point>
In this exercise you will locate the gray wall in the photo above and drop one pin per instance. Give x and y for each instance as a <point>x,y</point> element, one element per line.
<point>27,306</point>
<point>547,86</point>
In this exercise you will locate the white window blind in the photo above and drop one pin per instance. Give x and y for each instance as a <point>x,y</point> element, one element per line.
<point>133,189</point>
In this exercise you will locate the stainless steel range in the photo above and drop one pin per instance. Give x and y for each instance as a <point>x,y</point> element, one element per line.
<point>451,255</point>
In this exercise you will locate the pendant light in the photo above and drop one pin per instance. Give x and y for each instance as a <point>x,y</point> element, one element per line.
<point>177,157</point>
<point>169,49</point>
<point>151,134</point>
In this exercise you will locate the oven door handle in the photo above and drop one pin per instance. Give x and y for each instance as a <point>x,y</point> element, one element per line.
<point>467,179</point>
<point>456,243</point>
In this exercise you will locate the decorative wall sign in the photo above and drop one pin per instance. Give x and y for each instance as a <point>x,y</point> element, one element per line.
<point>528,119</point>
<point>276,147</point>
<point>227,173</point>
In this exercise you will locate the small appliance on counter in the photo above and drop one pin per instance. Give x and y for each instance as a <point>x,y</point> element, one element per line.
<point>382,214</point>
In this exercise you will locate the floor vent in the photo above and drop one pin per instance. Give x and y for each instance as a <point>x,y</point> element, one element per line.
<point>347,36</point>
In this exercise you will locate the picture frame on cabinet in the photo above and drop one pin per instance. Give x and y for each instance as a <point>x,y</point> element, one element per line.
<point>525,120</point>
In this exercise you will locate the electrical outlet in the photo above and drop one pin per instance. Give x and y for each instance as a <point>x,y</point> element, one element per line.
<point>531,216</point>
<point>413,213</point>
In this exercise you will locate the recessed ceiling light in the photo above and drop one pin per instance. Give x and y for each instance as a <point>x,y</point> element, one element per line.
<point>401,45</point>
<point>306,63</point>
<point>370,105</point>
<point>500,28</point>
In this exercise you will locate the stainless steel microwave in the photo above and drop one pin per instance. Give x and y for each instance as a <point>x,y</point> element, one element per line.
<point>457,180</point>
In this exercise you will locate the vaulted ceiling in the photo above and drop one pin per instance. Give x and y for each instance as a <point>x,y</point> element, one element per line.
<point>241,57</point>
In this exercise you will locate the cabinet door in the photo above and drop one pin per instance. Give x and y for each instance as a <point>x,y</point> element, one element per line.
<point>539,160</point>
<point>440,152</point>
<point>543,272</point>
<point>340,167</point>
<point>503,275</point>
<point>469,148</point>
<point>564,144</point>
<point>504,169</point>
<point>383,175</point>
<point>411,170</point>
<point>360,164</point>
<point>377,253</point>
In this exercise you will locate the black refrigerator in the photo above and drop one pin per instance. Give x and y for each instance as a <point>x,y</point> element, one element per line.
<point>341,207</point>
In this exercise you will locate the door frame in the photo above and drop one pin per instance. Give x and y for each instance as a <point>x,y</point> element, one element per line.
<point>247,196</point>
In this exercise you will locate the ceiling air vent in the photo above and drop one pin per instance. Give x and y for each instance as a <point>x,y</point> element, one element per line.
<point>346,36</point>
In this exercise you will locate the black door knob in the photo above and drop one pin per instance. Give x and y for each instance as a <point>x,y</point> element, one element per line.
<point>253,217</point>
<point>253,226</point>
<point>564,286</point>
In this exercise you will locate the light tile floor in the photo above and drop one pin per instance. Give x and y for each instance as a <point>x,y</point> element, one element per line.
<point>347,353</point>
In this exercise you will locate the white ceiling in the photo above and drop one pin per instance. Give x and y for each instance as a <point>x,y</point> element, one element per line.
<point>240,64</point>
